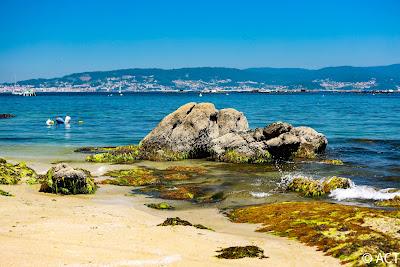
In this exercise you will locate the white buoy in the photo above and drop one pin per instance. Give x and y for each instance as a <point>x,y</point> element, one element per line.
<point>49,122</point>
<point>67,119</point>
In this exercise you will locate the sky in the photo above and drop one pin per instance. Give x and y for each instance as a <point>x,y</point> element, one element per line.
<point>51,38</point>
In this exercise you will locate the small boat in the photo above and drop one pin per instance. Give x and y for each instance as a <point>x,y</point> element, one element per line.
<point>200,95</point>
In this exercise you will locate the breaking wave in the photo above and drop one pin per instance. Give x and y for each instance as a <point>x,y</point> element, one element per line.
<point>363,192</point>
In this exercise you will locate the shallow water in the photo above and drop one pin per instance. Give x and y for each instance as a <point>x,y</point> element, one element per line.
<point>363,130</point>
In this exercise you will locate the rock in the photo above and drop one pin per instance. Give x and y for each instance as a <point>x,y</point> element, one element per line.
<point>12,174</point>
<point>201,131</point>
<point>276,129</point>
<point>63,179</point>
<point>6,116</point>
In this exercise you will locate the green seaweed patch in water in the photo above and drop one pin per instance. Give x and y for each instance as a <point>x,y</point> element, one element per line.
<point>344,232</point>
<point>160,206</point>
<point>178,221</point>
<point>121,154</point>
<point>315,188</point>
<point>241,252</point>
<point>92,149</point>
<point>12,174</point>
<point>5,193</point>
<point>177,173</point>
<point>336,162</point>
<point>132,177</point>
<point>394,202</point>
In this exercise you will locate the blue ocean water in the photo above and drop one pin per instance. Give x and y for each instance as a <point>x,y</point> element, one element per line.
<point>363,129</point>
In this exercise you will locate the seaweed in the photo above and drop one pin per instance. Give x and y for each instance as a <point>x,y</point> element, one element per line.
<point>241,252</point>
<point>178,221</point>
<point>394,202</point>
<point>315,188</point>
<point>344,232</point>
<point>12,174</point>
<point>132,177</point>
<point>121,154</point>
<point>5,193</point>
<point>160,206</point>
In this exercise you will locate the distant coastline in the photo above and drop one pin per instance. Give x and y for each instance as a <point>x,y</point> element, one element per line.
<point>380,79</point>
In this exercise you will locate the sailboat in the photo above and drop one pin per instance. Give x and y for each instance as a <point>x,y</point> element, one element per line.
<point>200,95</point>
<point>120,91</point>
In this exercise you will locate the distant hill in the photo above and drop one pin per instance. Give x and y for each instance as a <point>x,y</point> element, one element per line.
<point>345,77</point>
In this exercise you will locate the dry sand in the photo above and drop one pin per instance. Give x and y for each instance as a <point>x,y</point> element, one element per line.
<point>112,229</point>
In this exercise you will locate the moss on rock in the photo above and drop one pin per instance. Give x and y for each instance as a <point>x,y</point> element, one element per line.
<point>394,202</point>
<point>132,177</point>
<point>121,154</point>
<point>315,188</point>
<point>241,252</point>
<point>63,179</point>
<point>233,156</point>
<point>336,162</point>
<point>345,232</point>
<point>12,174</point>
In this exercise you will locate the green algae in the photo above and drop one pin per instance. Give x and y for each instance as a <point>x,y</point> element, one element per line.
<point>344,232</point>
<point>394,202</point>
<point>13,174</point>
<point>163,155</point>
<point>62,185</point>
<point>174,173</point>
<point>241,252</point>
<point>5,193</point>
<point>232,156</point>
<point>178,221</point>
<point>336,162</point>
<point>160,206</point>
<point>121,154</point>
<point>316,188</point>
<point>132,177</point>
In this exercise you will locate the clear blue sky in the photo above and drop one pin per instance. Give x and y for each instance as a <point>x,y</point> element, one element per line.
<point>47,38</point>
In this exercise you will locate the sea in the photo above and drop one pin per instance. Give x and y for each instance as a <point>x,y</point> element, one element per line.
<point>363,131</point>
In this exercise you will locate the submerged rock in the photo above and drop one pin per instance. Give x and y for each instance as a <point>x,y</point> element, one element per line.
<point>13,174</point>
<point>121,154</point>
<point>394,202</point>
<point>63,179</point>
<point>344,232</point>
<point>241,252</point>
<point>199,130</point>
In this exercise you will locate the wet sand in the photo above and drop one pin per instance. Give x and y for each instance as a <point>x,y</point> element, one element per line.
<point>111,229</point>
<point>114,228</point>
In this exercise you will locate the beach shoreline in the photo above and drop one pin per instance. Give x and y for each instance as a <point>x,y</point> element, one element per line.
<point>110,228</point>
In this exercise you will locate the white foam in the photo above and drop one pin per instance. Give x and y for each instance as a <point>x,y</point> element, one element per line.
<point>362,192</point>
<point>259,194</point>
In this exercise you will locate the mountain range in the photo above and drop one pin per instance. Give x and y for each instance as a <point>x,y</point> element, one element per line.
<point>344,77</point>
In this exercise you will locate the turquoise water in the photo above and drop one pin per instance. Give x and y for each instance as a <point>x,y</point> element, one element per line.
<point>363,129</point>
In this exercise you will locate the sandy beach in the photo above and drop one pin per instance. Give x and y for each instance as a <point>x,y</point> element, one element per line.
<point>111,228</point>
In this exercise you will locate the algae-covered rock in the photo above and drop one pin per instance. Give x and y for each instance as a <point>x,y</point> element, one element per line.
<point>121,154</point>
<point>241,252</point>
<point>12,174</point>
<point>315,188</point>
<point>175,173</point>
<point>344,232</point>
<point>5,193</point>
<point>63,179</point>
<point>132,177</point>
<point>336,162</point>
<point>6,116</point>
<point>178,221</point>
<point>160,206</point>
<point>394,202</point>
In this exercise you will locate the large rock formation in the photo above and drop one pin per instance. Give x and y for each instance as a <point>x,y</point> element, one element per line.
<point>200,130</point>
